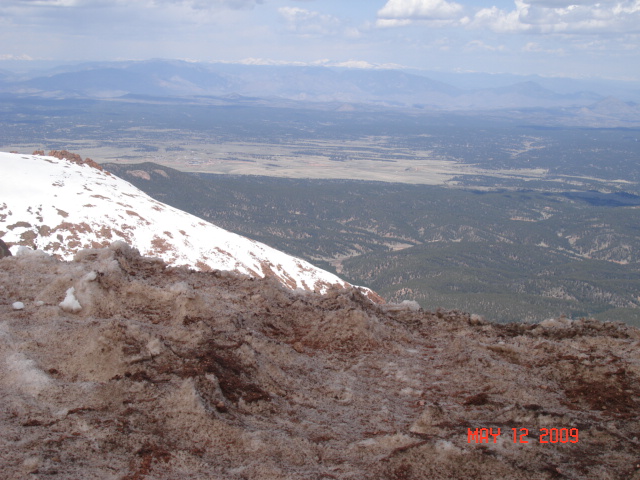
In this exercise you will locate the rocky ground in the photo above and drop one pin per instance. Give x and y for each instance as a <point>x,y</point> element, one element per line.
<point>115,366</point>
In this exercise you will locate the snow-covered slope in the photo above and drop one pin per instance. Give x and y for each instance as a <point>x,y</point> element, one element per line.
<point>61,207</point>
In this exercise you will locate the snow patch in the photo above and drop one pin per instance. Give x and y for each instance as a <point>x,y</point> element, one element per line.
<point>90,277</point>
<point>22,251</point>
<point>70,303</point>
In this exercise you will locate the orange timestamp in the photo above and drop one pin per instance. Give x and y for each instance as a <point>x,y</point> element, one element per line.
<point>519,435</point>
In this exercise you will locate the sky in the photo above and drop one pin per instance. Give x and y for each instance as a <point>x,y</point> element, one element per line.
<point>572,38</point>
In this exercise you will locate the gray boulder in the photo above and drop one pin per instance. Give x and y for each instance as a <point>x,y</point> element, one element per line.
<point>4,250</point>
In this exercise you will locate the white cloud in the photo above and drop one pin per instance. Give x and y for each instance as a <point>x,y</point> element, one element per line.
<point>307,22</point>
<point>532,16</point>
<point>393,22</point>
<point>420,10</point>
<point>567,3</point>
<point>49,3</point>
<point>563,16</point>
<point>194,4</point>
<point>211,4</point>
<point>500,21</point>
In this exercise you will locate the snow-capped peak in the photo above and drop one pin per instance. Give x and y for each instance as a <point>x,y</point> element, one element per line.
<point>61,206</point>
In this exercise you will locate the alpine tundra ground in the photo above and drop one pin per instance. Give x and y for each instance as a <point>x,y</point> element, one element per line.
<point>117,366</point>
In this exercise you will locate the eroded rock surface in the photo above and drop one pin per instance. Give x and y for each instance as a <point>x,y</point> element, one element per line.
<point>165,373</point>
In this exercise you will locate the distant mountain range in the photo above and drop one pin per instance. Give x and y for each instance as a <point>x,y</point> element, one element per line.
<point>63,205</point>
<point>165,78</point>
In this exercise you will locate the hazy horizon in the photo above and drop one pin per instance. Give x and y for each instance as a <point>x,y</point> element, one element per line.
<point>552,38</point>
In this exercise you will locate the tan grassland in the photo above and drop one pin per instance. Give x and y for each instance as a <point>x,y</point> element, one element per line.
<point>368,158</point>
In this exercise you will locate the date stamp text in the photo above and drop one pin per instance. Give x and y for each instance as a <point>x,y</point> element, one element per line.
<point>522,435</point>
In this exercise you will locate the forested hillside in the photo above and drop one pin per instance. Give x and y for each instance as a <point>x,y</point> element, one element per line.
<point>508,254</point>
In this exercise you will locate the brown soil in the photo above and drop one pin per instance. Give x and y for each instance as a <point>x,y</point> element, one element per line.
<point>167,373</point>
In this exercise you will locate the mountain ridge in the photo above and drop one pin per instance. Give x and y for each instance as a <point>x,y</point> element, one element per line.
<point>303,83</point>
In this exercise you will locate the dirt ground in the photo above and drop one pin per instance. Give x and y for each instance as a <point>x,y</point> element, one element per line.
<point>115,366</point>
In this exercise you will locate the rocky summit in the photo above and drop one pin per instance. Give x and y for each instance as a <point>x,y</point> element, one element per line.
<point>118,366</point>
